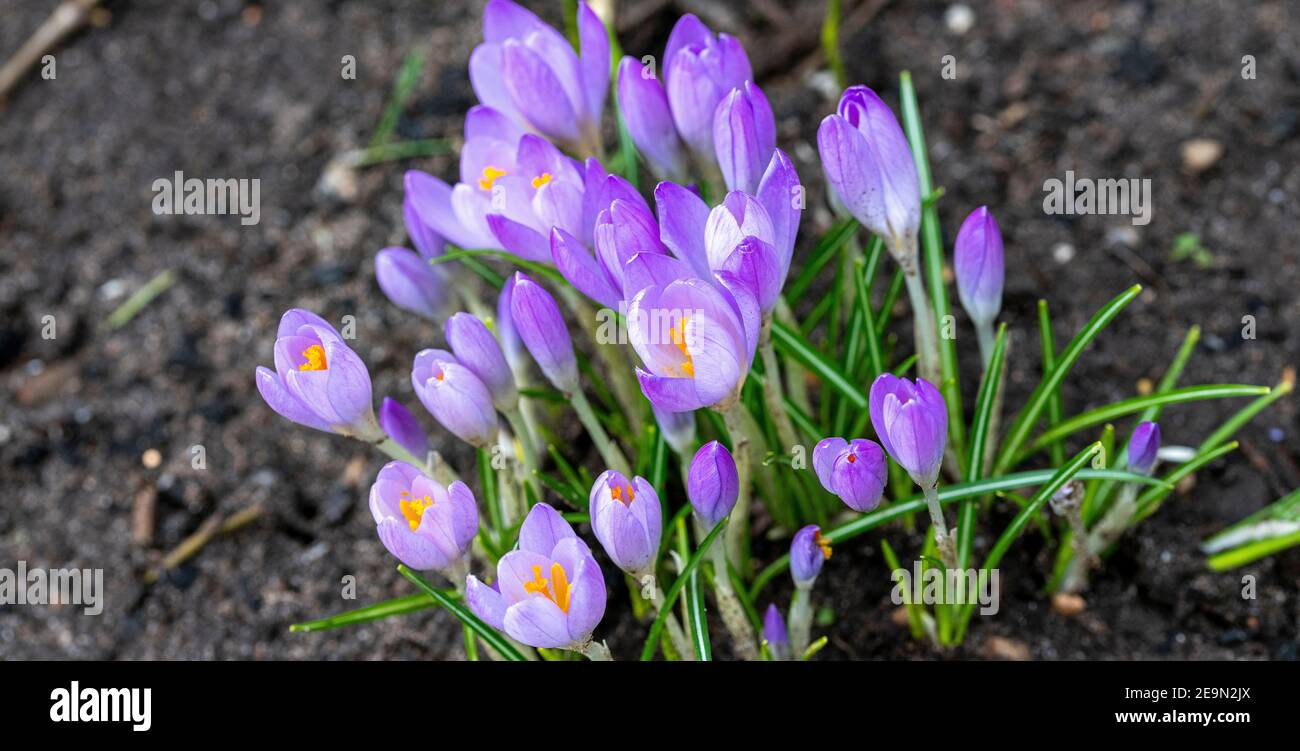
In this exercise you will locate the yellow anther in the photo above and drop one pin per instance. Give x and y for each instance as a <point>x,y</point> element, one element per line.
<point>541,179</point>
<point>556,590</point>
<point>413,508</point>
<point>822,543</point>
<point>678,336</point>
<point>315,355</point>
<point>490,175</point>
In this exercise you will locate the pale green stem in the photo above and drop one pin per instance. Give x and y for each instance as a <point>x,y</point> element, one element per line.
<point>676,633</point>
<point>927,347</point>
<point>618,369</point>
<point>729,606</point>
<point>943,539</point>
<point>609,451</point>
<point>396,451</point>
<point>773,394</point>
<point>527,444</point>
<point>738,527</point>
<point>800,621</point>
<point>596,651</point>
<point>984,332</point>
<point>995,417</point>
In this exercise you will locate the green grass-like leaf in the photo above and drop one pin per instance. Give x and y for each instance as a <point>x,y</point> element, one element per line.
<point>979,437</point>
<point>489,635</point>
<point>792,344</point>
<point>652,638</point>
<point>827,248</point>
<point>376,612</point>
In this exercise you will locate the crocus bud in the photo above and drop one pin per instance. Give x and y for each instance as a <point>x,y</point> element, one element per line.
<point>1143,447</point>
<point>869,165</point>
<point>649,120</point>
<point>911,421</point>
<point>855,471</point>
<point>979,266</point>
<point>808,551</point>
<point>409,282</point>
<point>712,483</point>
<point>699,69</point>
<point>678,428</point>
<point>538,321</point>
<point>423,524</point>
<point>774,633</point>
<point>455,397</point>
<point>476,348</point>
<point>744,136</point>
<point>400,425</point>
<point>318,380</point>
<point>549,591</point>
<point>511,345</point>
<point>628,520</point>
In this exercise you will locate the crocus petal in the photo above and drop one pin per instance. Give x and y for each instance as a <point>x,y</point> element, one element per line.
<point>477,349</point>
<point>484,122</point>
<point>543,529</point>
<point>504,19</point>
<point>582,270</point>
<point>416,551</point>
<point>485,602</point>
<point>458,400</point>
<point>486,76</point>
<point>744,136</point>
<point>587,591</point>
<point>671,394</point>
<point>400,425</point>
<point>649,120</point>
<point>537,93</point>
<point>541,326</point>
<point>739,216</point>
<point>756,264</point>
<point>979,265</point>
<point>806,556</point>
<point>645,269</point>
<point>409,282</point>
<point>825,453</point>
<point>431,201</point>
<point>594,40</point>
<point>1144,447</point>
<point>688,30</point>
<point>285,404</point>
<point>538,622</point>
<point>520,239</point>
<point>712,483</point>
<point>682,219</point>
<point>782,196</point>
<point>693,95</point>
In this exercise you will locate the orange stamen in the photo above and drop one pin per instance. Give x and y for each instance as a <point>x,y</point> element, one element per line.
<point>413,508</point>
<point>541,179</point>
<point>490,175</point>
<point>824,544</point>
<point>315,355</point>
<point>556,590</point>
<point>677,335</point>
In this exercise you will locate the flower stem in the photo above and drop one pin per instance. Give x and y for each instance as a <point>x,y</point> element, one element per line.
<point>927,345</point>
<point>984,331</point>
<point>676,633</point>
<point>738,528</point>
<point>943,539</point>
<point>800,621</point>
<point>527,447</point>
<point>396,451</point>
<point>773,393</point>
<point>609,452</point>
<point>729,607</point>
<point>596,651</point>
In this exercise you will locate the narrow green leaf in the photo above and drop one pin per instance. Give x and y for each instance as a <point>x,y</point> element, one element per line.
<point>831,43</point>
<point>652,639</point>
<point>825,250</point>
<point>932,251</point>
<point>1229,428</point>
<point>1150,500</point>
<point>376,612</point>
<point>696,615</point>
<point>948,494</point>
<point>403,86</point>
<point>1251,552</point>
<point>489,635</point>
<point>532,267</point>
<point>979,436</point>
<point>1125,407</point>
<point>1033,409</point>
<point>792,344</point>
<point>1054,410</point>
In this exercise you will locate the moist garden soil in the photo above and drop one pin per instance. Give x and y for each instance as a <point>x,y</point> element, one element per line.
<point>99,424</point>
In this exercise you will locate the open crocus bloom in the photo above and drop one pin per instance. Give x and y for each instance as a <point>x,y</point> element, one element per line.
<point>318,380</point>
<point>855,471</point>
<point>528,71</point>
<point>423,524</point>
<point>762,227</point>
<point>628,520</point>
<point>621,229</point>
<point>549,592</point>
<point>696,339</point>
<point>911,421</point>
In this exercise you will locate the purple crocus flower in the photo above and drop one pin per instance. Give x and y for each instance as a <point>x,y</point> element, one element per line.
<point>1143,446</point>
<point>423,524</point>
<point>456,398</point>
<point>678,428</point>
<point>712,483</point>
<point>911,421</point>
<point>511,345</point>
<point>775,634</point>
<point>979,266</point>
<point>699,69</point>
<point>706,240</point>
<point>428,243</point>
<point>318,380</point>
<point>622,230</point>
<point>855,471</point>
<point>869,166</point>
<point>744,137</point>
<point>540,325</point>
<point>528,71</point>
<point>696,340</point>
<point>549,592</point>
<point>410,282</point>
<point>808,551</point>
<point>628,520</point>
<point>400,425</point>
<point>474,347</point>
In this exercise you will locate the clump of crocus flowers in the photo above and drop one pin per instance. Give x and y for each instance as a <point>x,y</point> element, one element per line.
<point>710,367</point>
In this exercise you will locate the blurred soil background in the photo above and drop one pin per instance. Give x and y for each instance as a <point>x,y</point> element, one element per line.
<point>97,424</point>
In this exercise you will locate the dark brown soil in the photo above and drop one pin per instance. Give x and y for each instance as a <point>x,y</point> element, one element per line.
<point>1107,89</point>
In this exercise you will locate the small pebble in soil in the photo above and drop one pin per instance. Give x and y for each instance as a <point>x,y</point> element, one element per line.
<point>1002,648</point>
<point>151,459</point>
<point>959,18</point>
<point>1068,604</point>
<point>1063,253</point>
<point>1200,154</point>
